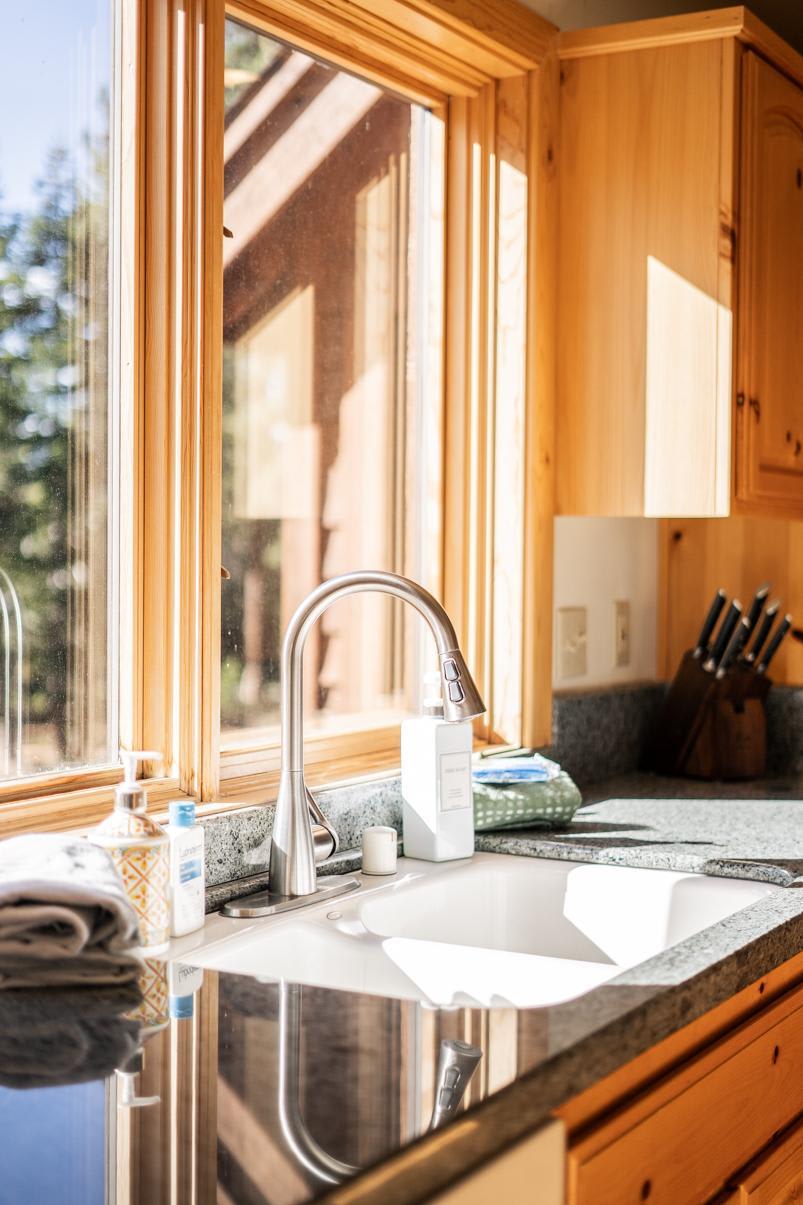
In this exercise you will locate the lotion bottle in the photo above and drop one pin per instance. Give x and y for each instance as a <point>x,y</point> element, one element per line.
<point>187,880</point>
<point>437,800</point>
<point>139,849</point>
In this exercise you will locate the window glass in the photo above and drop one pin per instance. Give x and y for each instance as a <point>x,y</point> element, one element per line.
<point>55,97</point>
<point>330,319</point>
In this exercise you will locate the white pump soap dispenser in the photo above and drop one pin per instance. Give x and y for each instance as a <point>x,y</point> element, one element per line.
<point>139,848</point>
<point>437,799</point>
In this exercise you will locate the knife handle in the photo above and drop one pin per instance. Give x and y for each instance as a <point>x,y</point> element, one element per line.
<point>714,612</point>
<point>772,648</point>
<point>724,634</point>
<point>735,647</point>
<point>763,632</point>
<point>757,604</point>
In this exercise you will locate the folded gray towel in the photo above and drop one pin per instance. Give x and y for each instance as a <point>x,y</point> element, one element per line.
<point>65,918</point>
<point>66,1035</point>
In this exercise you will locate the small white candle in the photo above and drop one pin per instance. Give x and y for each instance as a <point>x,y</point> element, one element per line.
<point>379,850</point>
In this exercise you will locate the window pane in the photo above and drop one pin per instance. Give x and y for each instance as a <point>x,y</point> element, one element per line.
<point>55,96</point>
<point>331,378</point>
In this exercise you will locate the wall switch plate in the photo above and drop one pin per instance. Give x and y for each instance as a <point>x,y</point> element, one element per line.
<point>572,641</point>
<point>621,632</point>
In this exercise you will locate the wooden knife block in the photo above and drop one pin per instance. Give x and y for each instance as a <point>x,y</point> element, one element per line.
<point>718,731</point>
<point>732,740</point>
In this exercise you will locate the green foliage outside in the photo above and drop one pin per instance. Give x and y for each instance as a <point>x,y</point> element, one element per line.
<point>45,344</point>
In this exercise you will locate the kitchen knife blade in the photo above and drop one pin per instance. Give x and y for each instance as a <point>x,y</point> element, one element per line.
<point>772,648</point>
<point>763,632</point>
<point>757,604</point>
<point>726,630</point>
<point>735,647</point>
<point>706,631</point>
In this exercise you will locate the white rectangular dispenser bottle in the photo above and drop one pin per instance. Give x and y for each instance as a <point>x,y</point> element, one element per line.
<point>437,801</point>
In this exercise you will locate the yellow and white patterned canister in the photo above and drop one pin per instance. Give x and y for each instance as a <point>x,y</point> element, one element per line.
<point>139,848</point>
<point>145,871</point>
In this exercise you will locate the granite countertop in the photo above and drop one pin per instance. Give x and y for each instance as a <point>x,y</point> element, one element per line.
<point>732,830</point>
<point>364,1066</point>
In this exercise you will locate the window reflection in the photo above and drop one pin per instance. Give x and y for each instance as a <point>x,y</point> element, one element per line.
<point>323,404</point>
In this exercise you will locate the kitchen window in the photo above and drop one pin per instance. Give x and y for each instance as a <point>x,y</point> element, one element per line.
<point>274,328</point>
<point>58,426</point>
<point>332,321</point>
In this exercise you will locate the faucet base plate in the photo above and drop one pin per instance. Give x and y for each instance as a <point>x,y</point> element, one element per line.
<point>267,903</point>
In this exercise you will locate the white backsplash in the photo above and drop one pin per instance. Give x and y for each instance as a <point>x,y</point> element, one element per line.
<point>597,562</point>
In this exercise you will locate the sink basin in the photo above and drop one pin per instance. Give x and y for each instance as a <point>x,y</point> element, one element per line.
<point>492,930</point>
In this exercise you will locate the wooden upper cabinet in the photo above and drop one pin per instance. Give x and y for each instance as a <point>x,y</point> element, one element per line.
<point>769,430</point>
<point>656,154</point>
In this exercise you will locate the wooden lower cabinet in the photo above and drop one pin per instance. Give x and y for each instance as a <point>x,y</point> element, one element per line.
<point>775,1177</point>
<point>685,1138</point>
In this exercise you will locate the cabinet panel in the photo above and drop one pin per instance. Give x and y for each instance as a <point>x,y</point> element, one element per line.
<point>644,350</point>
<point>776,1178</point>
<point>681,1143</point>
<point>770,401</point>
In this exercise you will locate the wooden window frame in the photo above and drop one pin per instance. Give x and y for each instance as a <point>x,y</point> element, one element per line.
<point>487,66</point>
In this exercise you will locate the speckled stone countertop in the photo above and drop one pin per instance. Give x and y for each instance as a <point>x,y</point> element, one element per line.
<point>732,830</point>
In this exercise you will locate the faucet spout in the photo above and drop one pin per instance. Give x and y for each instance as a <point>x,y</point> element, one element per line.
<point>293,845</point>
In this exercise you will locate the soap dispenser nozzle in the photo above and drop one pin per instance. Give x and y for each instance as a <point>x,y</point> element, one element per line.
<point>130,795</point>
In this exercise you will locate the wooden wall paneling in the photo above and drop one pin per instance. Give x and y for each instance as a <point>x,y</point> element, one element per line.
<point>738,554</point>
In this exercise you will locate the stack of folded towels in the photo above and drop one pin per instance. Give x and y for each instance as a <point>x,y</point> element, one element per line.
<point>66,925</point>
<point>522,792</point>
<point>65,919</point>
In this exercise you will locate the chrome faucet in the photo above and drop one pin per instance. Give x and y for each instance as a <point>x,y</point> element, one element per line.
<point>297,844</point>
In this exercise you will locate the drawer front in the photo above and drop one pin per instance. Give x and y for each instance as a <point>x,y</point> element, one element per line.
<point>686,1147</point>
<point>776,1177</point>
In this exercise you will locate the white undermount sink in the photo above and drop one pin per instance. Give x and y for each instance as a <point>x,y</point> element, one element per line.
<point>493,930</point>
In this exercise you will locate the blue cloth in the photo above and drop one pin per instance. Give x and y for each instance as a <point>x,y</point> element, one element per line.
<point>502,770</point>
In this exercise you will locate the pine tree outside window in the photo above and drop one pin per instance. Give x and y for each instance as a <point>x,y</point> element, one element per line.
<point>57,696</point>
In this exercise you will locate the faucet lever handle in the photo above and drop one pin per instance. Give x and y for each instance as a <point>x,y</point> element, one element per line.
<point>324,837</point>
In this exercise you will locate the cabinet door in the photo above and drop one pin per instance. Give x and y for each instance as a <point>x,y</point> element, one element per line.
<point>680,1142</point>
<point>776,1178</point>
<point>769,403</point>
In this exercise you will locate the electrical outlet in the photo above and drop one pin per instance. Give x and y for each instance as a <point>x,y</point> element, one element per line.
<point>621,632</point>
<point>572,639</point>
